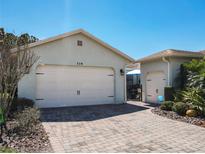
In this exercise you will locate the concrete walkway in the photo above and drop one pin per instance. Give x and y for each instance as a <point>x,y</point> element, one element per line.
<point>119,128</point>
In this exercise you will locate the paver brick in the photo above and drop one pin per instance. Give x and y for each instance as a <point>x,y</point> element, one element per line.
<point>119,128</point>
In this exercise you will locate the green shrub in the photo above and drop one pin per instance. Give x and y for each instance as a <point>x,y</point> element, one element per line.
<point>7,150</point>
<point>180,108</point>
<point>27,120</point>
<point>21,103</point>
<point>195,98</point>
<point>193,78</point>
<point>167,105</point>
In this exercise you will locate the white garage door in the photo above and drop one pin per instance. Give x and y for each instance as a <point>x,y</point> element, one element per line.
<point>155,83</point>
<point>59,86</point>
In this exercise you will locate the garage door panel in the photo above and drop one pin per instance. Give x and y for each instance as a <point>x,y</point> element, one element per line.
<point>59,85</point>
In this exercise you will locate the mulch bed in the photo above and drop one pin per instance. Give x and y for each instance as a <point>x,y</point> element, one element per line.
<point>199,121</point>
<point>37,141</point>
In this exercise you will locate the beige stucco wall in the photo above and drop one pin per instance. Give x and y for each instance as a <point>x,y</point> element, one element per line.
<point>175,68</point>
<point>160,65</point>
<point>66,52</point>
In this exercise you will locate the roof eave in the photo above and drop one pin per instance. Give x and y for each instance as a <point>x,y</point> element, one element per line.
<point>169,56</point>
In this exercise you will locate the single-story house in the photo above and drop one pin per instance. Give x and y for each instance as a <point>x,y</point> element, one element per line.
<point>160,70</point>
<point>75,69</point>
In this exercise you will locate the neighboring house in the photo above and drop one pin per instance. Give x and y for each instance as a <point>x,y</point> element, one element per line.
<point>75,69</point>
<point>160,70</point>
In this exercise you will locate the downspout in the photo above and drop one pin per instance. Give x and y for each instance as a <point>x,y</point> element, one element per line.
<point>168,69</point>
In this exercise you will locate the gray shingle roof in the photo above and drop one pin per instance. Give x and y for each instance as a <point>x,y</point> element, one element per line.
<point>172,53</point>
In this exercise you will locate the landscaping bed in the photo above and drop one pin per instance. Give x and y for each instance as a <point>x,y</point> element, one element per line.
<point>199,121</point>
<point>186,100</point>
<point>30,138</point>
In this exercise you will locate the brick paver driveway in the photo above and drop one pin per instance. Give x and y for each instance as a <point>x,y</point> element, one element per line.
<point>119,128</point>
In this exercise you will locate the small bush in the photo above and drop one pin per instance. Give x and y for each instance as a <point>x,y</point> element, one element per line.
<point>7,150</point>
<point>21,103</point>
<point>27,120</point>
<point>167,105</point>
<point>180,108</point>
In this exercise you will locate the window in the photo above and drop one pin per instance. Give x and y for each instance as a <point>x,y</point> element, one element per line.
<point>80,43</point>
